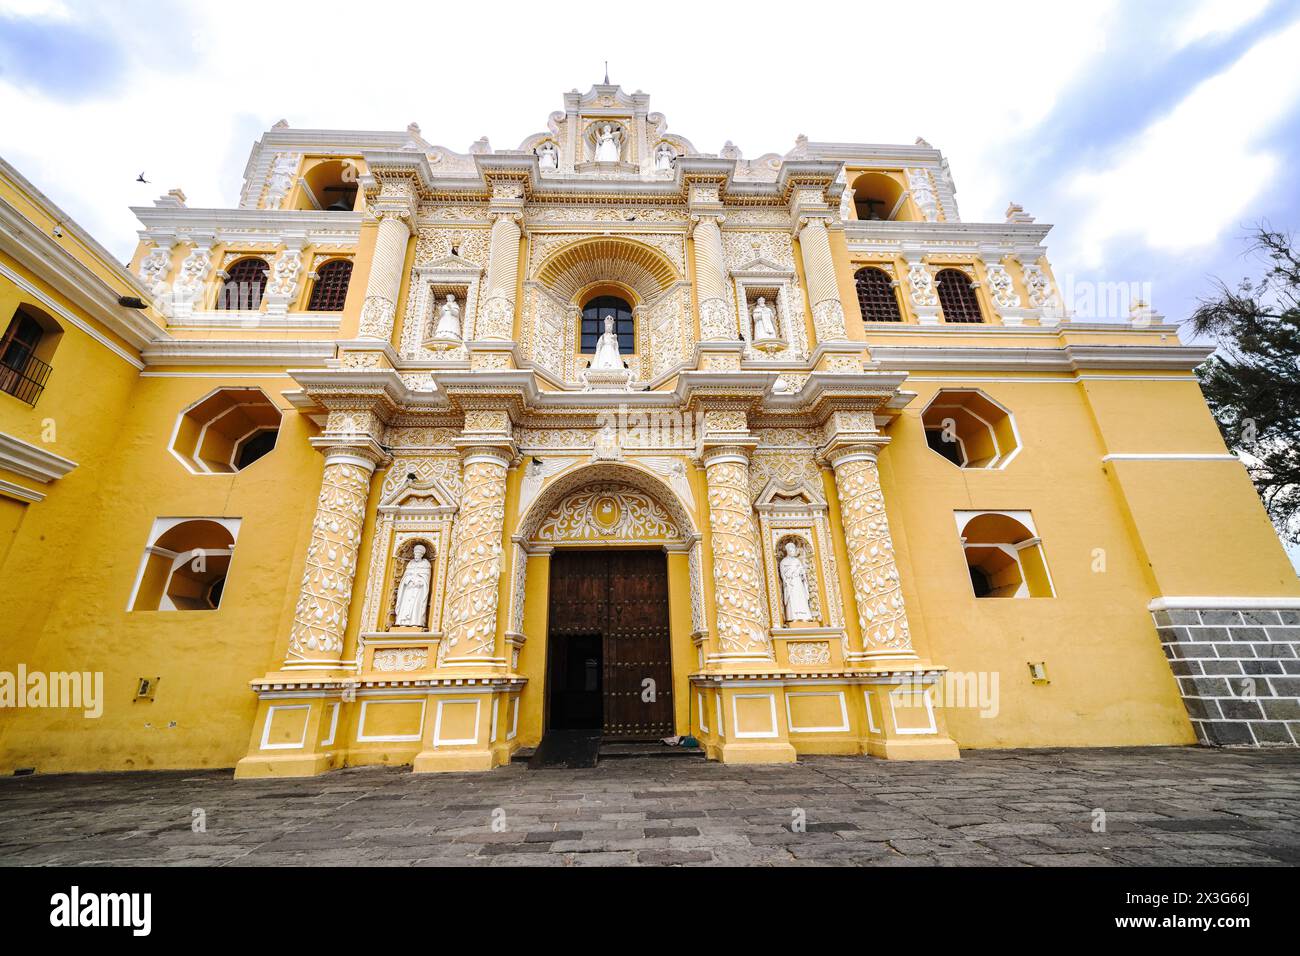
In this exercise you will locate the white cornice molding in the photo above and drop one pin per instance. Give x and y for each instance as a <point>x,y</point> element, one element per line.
<point>32,461</point>
<point>1223,603</point>
<point>1070,358</point>
<point>240,352</point>
<point>14,490</point>
<point>235,226</point>
<point>964,238</point>
<point>42,256</point>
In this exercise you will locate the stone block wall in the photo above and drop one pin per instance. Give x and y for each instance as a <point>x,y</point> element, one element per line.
<point>1238,672</point>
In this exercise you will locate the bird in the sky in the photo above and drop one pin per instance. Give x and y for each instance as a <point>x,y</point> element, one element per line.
<point>141,179</point>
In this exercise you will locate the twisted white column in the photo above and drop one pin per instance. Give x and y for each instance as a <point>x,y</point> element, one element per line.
<point>321,616</point>
<point>385,281</point>
<point>872,566</point>
<point>738,584</point>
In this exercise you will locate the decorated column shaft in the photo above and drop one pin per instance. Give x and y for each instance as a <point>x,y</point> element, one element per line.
<point>823,289</point>
<point>738,583</point>
<point>477,559</point>
<point>872,566</point>
<point>498,314</point>
<point>394,206</point>
<point>321,616</point>
<point>717,323</point>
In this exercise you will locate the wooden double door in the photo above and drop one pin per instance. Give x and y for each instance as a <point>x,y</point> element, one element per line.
<point>609,663</point>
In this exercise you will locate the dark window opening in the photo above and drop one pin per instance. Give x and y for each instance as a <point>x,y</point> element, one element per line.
<point>594,314</point>
<point>215,589</point>
<point>22,374</point>
<point>254,447</point>
<point>957,297</point>
<point>876,296</point>
<point>245,283</point>
<point>979,581</point>
<point>331,288</point>
<point>937,439</point>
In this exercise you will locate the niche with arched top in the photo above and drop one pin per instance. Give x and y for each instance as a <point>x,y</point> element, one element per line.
<point>329,186</point>
<point>185,564</point>
<point>1004,554</point>
<point>880,197</point>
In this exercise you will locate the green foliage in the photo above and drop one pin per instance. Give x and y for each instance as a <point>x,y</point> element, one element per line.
<point>1252,382</point>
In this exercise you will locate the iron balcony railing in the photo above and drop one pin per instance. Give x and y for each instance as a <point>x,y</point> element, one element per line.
<point>22,374</point>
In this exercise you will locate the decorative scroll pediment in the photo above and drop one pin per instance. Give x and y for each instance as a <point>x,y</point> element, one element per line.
<point>789,497</point>
<point>609,513</point>
<point>428,497</point>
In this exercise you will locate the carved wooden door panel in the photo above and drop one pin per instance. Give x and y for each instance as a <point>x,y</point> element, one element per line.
<point>609,659</point>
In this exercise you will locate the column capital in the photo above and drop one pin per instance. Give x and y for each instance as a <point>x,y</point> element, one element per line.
<point>364,452</point>
<point>735,451</point>
<point>841,451</point>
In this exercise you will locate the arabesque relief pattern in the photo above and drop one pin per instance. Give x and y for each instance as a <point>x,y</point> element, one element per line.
<point>476,562</point>
<point>871,556</point>
<point>321,616</point>
<point>737,565</point>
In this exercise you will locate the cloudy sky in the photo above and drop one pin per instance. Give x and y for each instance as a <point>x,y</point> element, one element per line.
<point>1150,134</point>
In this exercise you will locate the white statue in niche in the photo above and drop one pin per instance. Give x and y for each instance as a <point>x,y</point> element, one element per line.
<point>607,355</point>
<point>548,157</point>
<point>607,145</point>
<point>448,320</point>
<point>664,157</point>
<point>764,320</point>
<point>413,591</point>
<point>794,585</point>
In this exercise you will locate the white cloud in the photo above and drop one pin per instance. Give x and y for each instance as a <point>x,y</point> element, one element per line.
<point>195,100</point>
<point>1186,178</point>
<point>1215,18</point>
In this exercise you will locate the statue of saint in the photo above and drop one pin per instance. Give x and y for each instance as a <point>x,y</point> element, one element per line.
<point>607,145</point>
<point>548,157</point>
<point>764,320</point>
<point>664,157</point>
<point>607,355</point>
<point>413,591</point>
<point>794,585</point>
<point>448,320</point>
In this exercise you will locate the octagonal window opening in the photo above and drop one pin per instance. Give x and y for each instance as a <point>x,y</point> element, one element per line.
<point>970,429</point>
<point>225,432</point>
<point>1004,555</point>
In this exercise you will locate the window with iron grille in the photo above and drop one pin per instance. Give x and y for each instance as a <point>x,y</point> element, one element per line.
<point>594,314</point>
<point>22,374</point>
<point>957,297</point>
<point>876,296</point>
<point>245,283</point>
<point>331,287</point>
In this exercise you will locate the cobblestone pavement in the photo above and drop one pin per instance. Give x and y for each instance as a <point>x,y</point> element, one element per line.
<point>1173,806</point>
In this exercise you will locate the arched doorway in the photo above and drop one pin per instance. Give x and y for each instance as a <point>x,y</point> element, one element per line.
<point>608,534</point>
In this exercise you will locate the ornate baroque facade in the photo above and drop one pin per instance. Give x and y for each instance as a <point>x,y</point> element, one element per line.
<point>904,502</point>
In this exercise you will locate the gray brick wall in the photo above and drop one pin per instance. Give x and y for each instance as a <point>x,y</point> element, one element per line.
<point>1239,673</point>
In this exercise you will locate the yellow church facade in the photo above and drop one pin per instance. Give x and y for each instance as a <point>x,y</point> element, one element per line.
<point>413,456</point>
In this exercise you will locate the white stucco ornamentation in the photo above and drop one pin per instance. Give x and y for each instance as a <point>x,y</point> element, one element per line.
<point>154,269</point>
<point>1001,286</point>
<point>872,567</point>
<point>737,565</point>
<point>918,182</point>
<point>1042,294</point>
<point>280,180</point>
<point>476,560</point>
<point>920,284</point>
<point>321,616</point>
